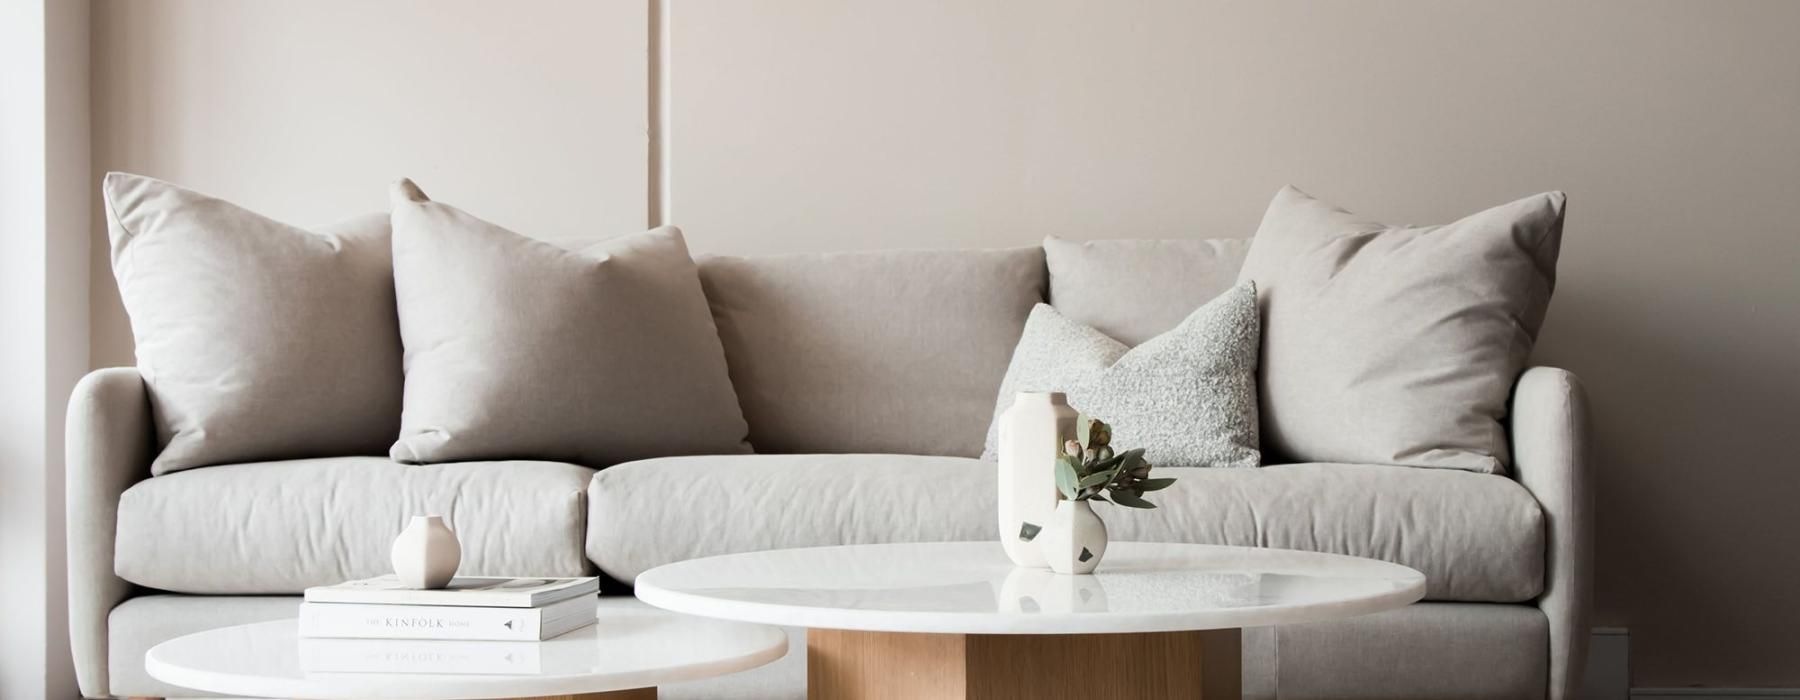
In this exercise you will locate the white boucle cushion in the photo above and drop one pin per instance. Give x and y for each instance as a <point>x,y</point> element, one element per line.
<point>1187,396</point>
<point>1398,344</point>
<point>258,340</point>
<point>519,349</point>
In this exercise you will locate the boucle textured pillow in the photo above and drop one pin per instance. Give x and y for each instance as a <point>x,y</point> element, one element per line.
<point>1188,396</point>
<point>519,349</point>
<point>258,340</point>
<point>1398,344</point>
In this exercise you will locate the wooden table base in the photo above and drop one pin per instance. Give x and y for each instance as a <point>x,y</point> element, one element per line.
<point>1202,665</point>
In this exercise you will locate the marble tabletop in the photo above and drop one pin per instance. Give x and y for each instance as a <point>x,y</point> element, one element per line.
<point>971,588</point>
<point>633,646</point>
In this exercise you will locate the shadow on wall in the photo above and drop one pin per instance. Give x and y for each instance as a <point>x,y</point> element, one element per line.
<point>1694,417</point>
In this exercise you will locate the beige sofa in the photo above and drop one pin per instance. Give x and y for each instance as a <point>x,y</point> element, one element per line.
<point>868,381</point>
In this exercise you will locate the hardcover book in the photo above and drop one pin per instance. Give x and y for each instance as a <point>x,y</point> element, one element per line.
<point>473,591</point>
<point>379,621</point>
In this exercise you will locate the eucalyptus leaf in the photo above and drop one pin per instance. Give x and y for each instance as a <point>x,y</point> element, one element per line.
<point>1112,472</point>
<point>1130,500</point>
<point>1083,428</point>
<point>1132,457</point>
<point>1155,484</point>
<point>1102,465</point>
<point>1092,480</point>
<point>1066,481</point>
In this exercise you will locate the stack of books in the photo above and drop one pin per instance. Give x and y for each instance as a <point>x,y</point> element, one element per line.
<point>470,608</point>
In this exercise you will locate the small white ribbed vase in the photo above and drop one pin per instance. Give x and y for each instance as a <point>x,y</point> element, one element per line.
<point>426,553</point>
<point>1032,432</point>
<point>1074,540</point>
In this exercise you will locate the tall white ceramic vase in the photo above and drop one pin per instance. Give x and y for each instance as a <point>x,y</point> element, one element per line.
<point>426,553</point>
<point>1075,538</point>
<point>1032,432</point>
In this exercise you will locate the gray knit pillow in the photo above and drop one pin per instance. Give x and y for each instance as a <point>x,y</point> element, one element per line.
<point>1188,396</point>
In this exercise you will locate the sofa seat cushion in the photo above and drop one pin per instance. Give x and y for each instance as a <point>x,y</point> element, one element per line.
<point>649,513</point>
<point>279,527</point>
<point>1476,537</point>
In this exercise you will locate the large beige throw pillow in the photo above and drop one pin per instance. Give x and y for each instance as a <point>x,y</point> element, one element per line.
<point>519,349</point>
<point>258,340</point>
<point>1398,344</point>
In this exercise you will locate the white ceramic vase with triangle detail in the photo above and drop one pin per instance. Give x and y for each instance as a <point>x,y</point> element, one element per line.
<point>1074,540</point>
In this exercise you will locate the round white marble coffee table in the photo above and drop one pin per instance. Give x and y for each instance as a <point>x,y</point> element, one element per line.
<point>632,650</point>
<point>958,620</point>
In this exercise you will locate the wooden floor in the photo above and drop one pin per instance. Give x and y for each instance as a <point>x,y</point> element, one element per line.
<point>852,665</point>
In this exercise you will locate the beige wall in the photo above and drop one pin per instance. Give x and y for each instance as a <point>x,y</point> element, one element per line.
<point>532,113</point>
<point>1674,127</point>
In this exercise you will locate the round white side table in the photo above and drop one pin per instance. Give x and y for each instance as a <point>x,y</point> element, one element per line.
<point>958,620</point>
<point>632,649</point>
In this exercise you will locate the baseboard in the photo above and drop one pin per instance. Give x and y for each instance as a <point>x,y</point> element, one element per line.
<point>1608,675</point>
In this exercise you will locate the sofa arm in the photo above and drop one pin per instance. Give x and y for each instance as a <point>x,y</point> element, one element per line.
<point>109,448</point>
<point>1550,455</point>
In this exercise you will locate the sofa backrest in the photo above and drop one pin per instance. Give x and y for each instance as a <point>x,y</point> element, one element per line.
<point>1134,290</point>
<point>882,351</point>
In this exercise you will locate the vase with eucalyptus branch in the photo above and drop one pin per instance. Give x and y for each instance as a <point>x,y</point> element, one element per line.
<point>1089,470</point>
